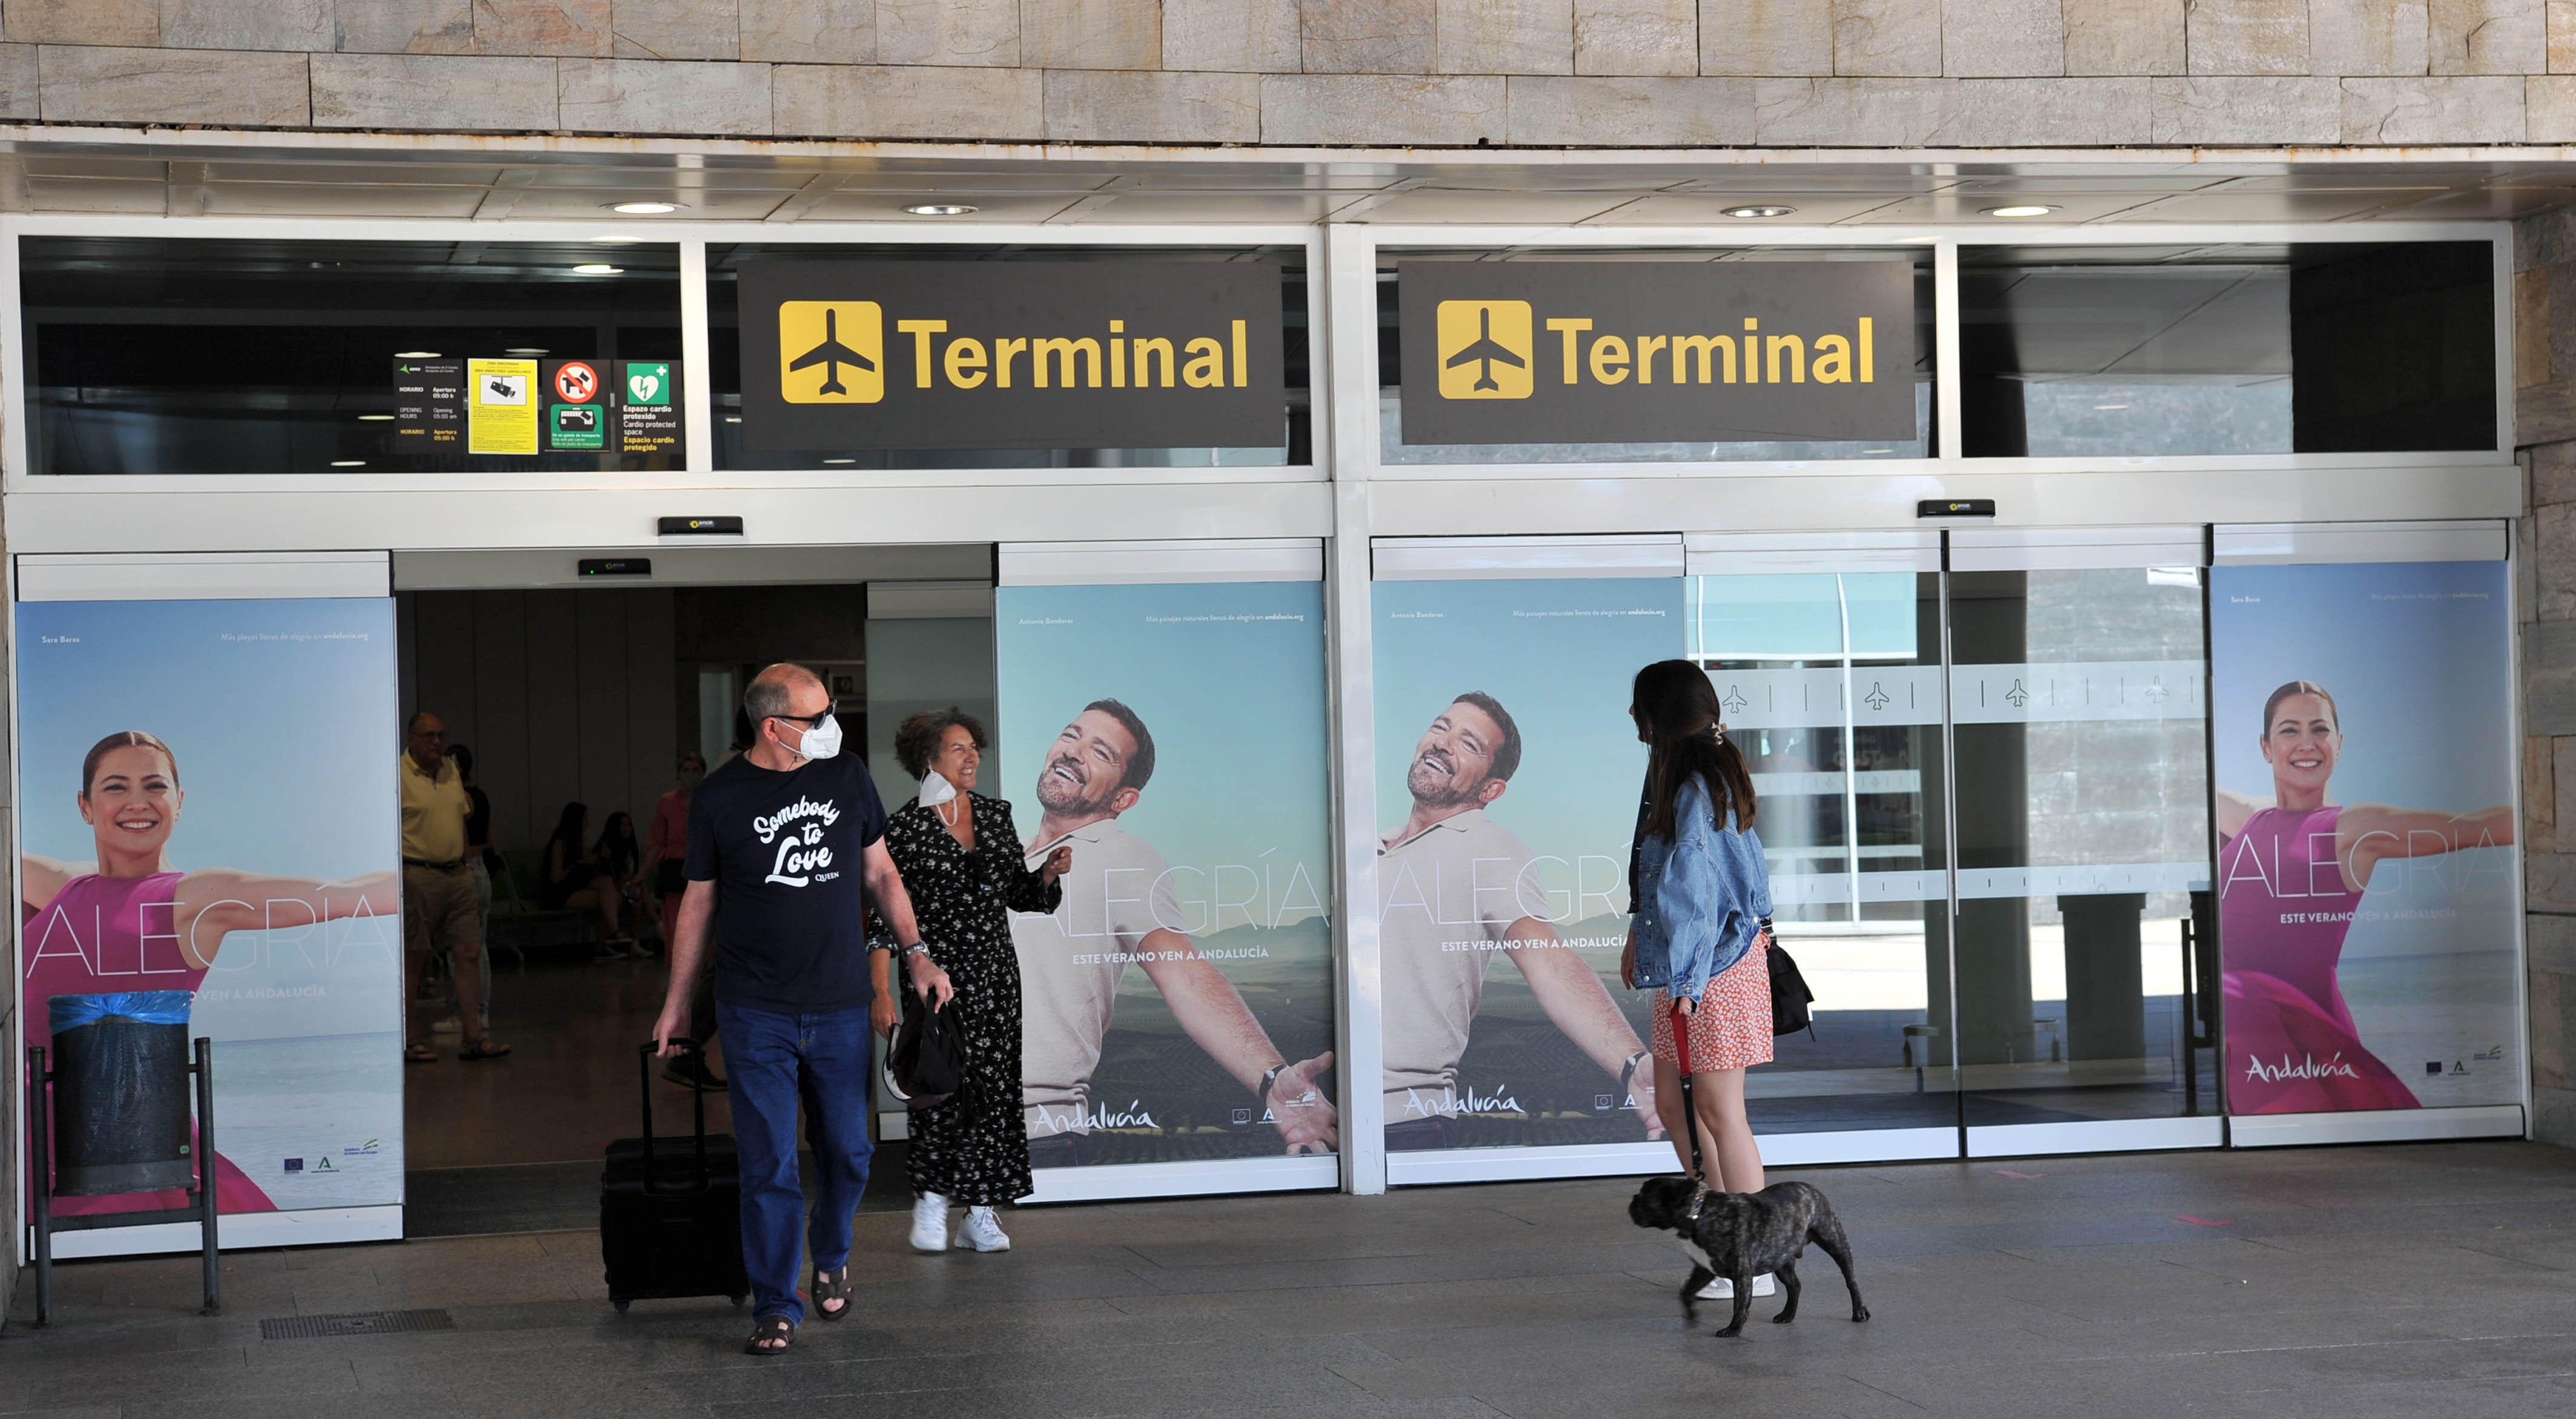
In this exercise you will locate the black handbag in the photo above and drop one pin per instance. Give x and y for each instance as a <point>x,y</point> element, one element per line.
<point>1789,994</point>
<point>927,1061</point>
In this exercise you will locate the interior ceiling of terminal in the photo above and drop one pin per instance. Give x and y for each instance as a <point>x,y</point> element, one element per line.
<point>557,182</point>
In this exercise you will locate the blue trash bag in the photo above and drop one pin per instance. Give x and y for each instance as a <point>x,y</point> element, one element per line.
<point>147,1007</point>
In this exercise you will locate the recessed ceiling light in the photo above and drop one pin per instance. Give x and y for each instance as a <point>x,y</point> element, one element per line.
<point>1867,451</point>
<point>1757,211</point>
<point>942,209</point>
<point>645,209</point>
<point>733,418</point>
<point>348,463</point>
<point>2107,408</point>
<point>375,418</point>
<point>525,350</point>
<point>840,460</point>
<point>415,354</point>
<point>598,268</point>
<point>2027,209</point>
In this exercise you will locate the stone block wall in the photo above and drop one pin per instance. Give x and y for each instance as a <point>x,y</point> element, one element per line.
<point>2544,295</point>
<point>1616,73</point>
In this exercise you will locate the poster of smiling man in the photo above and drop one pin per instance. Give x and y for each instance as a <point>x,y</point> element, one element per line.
<point>212,843</point>
<point>1508,774</point>
<point>1177,1004</point>
<point>2366,882</point>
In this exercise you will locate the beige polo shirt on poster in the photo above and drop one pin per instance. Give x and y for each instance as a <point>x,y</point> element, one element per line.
<point>1446,896</point>
<point>1072,959</point>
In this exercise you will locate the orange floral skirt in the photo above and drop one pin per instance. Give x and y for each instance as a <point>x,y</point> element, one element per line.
<point>1731,1028</point>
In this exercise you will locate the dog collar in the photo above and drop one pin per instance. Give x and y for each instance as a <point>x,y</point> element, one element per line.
<point>1699,1195</point>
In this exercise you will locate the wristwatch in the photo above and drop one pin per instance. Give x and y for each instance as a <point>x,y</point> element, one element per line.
<point>1628,1071</point>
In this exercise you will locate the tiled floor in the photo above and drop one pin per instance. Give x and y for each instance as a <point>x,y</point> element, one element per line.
<point>2344,1283</point>
<point>569,1083</point>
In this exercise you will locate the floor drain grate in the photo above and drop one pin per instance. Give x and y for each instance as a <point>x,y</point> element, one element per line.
<point>355,1323</point>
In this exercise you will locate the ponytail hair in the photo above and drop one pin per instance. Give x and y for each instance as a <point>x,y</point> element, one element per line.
<point>1676,708</point>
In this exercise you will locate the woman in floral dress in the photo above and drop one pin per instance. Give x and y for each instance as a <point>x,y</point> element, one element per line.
<point>960,856</point>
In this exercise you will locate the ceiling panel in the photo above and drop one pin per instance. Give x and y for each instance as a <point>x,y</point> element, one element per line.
<point>299,199</point>
<point>2238,204</point>
<point>1812,209</point>
<point>1517,208</point>
<point>581,203</point>
<point>1946,207</point>
<point>990,207</point>
<point>1298,207</point>
<point>78,194</point>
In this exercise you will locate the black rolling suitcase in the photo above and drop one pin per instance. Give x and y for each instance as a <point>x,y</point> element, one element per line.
<point>670,1210</point>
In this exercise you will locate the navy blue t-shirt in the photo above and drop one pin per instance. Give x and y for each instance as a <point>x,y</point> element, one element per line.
<point>784,852</point>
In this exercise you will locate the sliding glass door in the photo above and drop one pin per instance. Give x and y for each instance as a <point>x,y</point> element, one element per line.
<point>2049,986</point>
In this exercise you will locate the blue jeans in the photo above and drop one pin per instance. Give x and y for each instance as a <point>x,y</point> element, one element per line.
<point>771,1062</point>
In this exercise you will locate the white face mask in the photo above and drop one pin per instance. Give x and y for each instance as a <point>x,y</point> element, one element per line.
<point>823,741</point>
<point>936,790</point>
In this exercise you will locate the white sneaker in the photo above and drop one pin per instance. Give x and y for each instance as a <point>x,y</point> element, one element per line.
<point>930,1223</point>
<point>983,1231</point>
<point>448,1026</point>
<point>1721,1289</point>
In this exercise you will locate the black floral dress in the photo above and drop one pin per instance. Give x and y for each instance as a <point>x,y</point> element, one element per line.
<point>973,1148</point>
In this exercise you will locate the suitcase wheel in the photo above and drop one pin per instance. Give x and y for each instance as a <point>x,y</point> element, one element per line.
<point>621,1306</point>
<point>738,1300</point>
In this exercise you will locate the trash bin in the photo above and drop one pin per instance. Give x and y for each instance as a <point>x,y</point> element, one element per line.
<point>121,1092</point>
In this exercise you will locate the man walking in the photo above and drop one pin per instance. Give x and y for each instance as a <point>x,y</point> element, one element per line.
<point>440,913</point>
<point>783,839</point>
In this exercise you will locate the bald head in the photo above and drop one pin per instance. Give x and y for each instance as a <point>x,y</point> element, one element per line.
<point>776,690</point>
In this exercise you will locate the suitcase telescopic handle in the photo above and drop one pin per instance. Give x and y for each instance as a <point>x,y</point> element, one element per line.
<point>647,1053</point>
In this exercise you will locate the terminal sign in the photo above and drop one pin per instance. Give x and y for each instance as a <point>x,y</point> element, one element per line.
<point>1654,352</point>
<point>990,354</point>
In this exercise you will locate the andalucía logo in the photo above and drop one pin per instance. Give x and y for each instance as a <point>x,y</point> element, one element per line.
<point>2308,1067</point>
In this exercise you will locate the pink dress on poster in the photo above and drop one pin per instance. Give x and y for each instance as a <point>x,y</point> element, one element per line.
<point>104,934</point>
<point>2284,908</point>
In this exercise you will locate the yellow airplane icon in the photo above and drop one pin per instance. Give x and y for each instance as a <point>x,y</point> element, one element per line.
<point>817,340</point>
<point>1485,349</point>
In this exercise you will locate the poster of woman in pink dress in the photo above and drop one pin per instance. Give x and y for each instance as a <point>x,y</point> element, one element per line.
<point>210,830</point>
<point>127,922</point>
<point>2302,875</point>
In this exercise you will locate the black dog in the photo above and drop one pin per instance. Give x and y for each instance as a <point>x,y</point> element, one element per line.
<point>1740,1235</point>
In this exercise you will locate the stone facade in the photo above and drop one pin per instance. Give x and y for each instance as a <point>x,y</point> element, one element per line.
<point>2544,296</point>
<point>1547,73</point>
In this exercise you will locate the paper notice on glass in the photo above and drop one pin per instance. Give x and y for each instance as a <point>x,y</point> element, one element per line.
<point>501,406</point>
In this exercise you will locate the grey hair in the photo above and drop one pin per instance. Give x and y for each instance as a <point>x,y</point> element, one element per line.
<point>767,696</point>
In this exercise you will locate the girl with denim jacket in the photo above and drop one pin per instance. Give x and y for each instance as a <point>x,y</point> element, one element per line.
<point>1702,898</point>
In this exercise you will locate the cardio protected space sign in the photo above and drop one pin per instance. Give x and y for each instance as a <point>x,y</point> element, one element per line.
<point>990,354</point>
<point>1656,351</point>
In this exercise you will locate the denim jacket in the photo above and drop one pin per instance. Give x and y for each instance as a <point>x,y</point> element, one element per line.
<point>1701,896</point>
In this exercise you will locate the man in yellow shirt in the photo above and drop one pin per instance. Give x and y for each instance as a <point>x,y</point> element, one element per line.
<point>440,911</point>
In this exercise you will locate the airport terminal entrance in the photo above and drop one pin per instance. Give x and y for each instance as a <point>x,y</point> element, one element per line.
<point>587,690</point>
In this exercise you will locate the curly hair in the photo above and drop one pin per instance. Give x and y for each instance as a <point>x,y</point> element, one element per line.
<point>916,741</point>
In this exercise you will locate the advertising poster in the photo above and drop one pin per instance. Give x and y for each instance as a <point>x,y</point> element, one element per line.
<point>1507,783</point>
<point>2365,766</point>
<point>210,816</point>
<point>1178,1003</point>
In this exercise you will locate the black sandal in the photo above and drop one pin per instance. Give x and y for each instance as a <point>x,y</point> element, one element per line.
<point>828,1288</point>
<point>483,1049</point>
<point>766,1329</point>
<point>419,1054</point>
